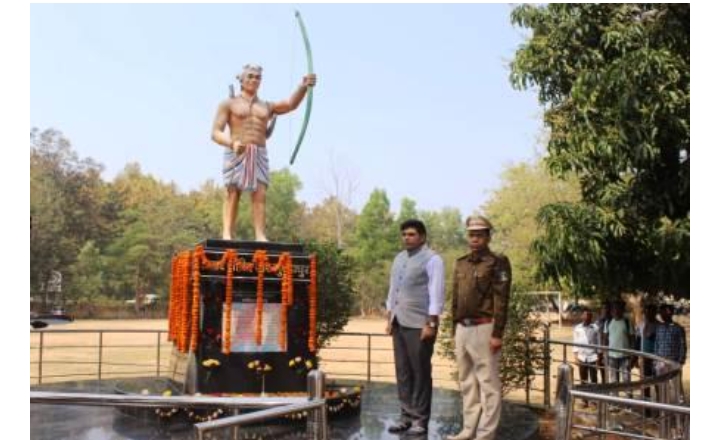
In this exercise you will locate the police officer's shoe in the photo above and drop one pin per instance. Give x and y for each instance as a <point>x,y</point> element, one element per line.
<point>399,427</point>
<point>462,435</point>
<point>417,430</point>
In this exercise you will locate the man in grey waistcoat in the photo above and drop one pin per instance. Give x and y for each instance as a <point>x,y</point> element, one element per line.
<point>415,302</point>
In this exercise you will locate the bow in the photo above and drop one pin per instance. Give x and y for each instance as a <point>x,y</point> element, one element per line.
<point>308,106</point>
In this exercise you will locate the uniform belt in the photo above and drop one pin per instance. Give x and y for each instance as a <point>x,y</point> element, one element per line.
<point>467,322</point>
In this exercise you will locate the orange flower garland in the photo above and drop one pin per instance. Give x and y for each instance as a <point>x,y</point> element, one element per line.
<point>312,305</point>
<point>286,291</point>
<point>215,265</point>
<point>195,311</point>
<point>287,276</point>
<point>184,303</point>
<point>260,259</point>
<point>231,257</point>
<point>183,300</point>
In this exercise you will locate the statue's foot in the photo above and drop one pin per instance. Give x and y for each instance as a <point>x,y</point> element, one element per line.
<point>227,237</point>
<point>261,238</point>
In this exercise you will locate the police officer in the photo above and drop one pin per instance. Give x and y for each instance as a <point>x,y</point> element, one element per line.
<point>480,296</point>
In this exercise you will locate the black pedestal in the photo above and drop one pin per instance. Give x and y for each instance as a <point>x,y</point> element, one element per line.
<point>234,376</point>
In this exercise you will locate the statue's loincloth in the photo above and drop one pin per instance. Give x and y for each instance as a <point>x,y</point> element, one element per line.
<point>244,171</point>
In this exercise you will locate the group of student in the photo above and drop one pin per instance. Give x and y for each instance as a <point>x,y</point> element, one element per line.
<point>614,330</point>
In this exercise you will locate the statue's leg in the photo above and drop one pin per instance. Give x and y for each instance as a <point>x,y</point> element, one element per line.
<point>232,196</point>
<point>258,208</point>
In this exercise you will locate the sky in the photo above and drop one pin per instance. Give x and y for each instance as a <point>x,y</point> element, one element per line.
<point>412,99</point>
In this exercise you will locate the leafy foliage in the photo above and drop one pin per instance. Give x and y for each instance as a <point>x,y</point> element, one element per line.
<point>373,246</point>
<point>514,207</point>
<point>615,81</point>
<point>336,295</point>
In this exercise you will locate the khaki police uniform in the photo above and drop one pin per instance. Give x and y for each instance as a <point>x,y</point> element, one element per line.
<point>480,296</point>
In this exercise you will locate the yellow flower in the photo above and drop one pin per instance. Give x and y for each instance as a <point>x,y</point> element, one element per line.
<point>267,367</point>
<point>167,393</point>
<point>308,364</point>
<point>292,362</point>
<point>210,363</point>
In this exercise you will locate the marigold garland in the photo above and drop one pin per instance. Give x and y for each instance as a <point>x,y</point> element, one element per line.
<point>227,316</point>
<point>184,303</point>
<point>288,286</point>
<point>217,265</point>
<point>195,311</point>
<point>183,308</point>
<point>285,290</point>
<point>260,259</point>
<point>287,275</point>
<point>312,305</point>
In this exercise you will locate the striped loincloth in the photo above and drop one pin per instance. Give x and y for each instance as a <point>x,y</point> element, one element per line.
<point>246,170</point>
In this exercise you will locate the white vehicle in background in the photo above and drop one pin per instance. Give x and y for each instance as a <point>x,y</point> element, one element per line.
<point>148,300</point>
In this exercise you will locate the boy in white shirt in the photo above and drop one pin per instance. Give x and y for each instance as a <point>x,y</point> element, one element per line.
<point>586,333</point>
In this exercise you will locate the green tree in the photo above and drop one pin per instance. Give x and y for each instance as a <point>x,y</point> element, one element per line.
<point>615,80</point>
<point>331,220</point>
<point>284,212</point>
<point>336,295</point>
<point>408,210</point>
<point>87,274</point>
<point>69,205</point>
<point>207,205</point>
<point>155,221</point>
<point>374,245</point>
<point>445,229</point>
<point>513,209</point>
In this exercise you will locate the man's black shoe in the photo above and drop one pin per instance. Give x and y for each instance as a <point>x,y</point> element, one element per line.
<point>399,427</point>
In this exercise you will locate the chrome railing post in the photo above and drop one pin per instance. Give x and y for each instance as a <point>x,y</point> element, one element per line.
<point>664,419</point>
<point>317,428</point>
<point>602,417</point>
<point>677,399</point>
<point>564,401</point>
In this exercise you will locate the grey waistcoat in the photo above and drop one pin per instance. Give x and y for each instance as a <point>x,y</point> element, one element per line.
<point>411,297</point>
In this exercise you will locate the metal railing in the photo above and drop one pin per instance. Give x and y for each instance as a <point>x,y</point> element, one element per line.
<point>660,412</point>
<point>149,401</point>
<point>368,357</point>
<point>275,407</point>
<point>373,352</point>
<point>95,355</point>
<point>317,426</point>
